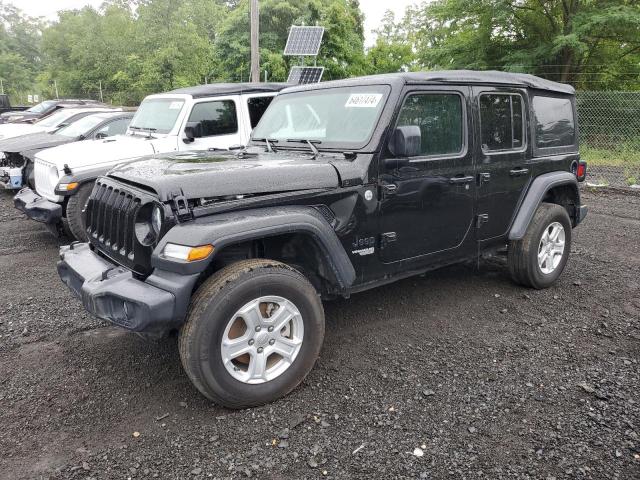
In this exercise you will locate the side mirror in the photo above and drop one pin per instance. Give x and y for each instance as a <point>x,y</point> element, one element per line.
<point>406,141</point>
<point>192,131</point>
<point>100,135</point>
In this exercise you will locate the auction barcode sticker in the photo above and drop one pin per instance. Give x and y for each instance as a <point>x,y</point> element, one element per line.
<point>363,100</point>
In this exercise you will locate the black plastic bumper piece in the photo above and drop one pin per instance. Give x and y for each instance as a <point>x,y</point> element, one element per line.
<point>110,292</point>
<point>581,214</point>
<point>37,208</point>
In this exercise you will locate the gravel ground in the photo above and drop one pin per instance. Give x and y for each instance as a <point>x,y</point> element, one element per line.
<point>458,374</point>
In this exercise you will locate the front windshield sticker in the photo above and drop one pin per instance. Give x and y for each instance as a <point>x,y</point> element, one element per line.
<point>363,100</point>
<point>175,105</point>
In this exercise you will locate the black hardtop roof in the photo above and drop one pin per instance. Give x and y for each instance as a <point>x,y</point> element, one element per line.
<point>214,89</point>
<point>450,77</point>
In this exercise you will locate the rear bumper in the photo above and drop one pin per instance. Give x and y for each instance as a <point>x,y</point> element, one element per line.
<point>37,208</point>
<point>110,292</point>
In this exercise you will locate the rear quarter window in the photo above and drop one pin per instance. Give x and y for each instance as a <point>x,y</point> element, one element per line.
<point>554,122</point>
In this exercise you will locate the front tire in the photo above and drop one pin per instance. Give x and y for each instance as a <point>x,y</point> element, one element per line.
<point>538,259</point>
<point>74,223</point>
<point>253,332</point>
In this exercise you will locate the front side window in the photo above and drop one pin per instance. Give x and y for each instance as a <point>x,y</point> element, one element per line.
<point>257,107</point>
<point>440,118</point>
<point>501,122</point>
<point>215,118</point>
<point>555,125</point>
<point>341,117</point>
<point>157,115</point>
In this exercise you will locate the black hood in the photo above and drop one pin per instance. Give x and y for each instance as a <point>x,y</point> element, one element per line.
<point>214,174</point>
<point>33,142</point>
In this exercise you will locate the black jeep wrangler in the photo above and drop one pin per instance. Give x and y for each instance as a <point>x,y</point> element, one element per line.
<point>345,186</point>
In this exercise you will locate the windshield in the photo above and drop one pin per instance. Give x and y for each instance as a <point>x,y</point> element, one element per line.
<point>55,119</point>
<point>333,117</point>
<point>41,107</point>
<point>81,126</point>
<point>157,114</point>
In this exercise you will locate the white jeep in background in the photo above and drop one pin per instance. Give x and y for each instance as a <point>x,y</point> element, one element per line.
<point>215,116</point>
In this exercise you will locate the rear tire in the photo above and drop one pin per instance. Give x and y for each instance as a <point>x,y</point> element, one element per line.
<point>246,369</point>
<point>74,223</point>
<point>538,259</point>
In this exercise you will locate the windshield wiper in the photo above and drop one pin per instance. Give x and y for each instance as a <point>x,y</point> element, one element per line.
<point>268,142</point>
<point>312,144</point>
<point>149,130</point>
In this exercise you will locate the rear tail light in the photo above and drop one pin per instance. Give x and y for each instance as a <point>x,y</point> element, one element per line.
<point>581,171</point>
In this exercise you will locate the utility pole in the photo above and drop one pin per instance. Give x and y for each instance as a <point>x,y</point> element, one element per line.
<point>1,87</point>
<point>255,42</point>
<point>55,83</point>
<point>101,98</point>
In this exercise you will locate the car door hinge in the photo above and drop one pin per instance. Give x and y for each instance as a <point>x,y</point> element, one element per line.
<point>387,238</point>
<point>483,177</point>
<point>181,207</point>
<point>482,219</point>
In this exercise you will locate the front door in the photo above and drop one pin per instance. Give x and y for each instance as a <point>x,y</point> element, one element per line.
<point>219,125</point>
<point>428,200</point>
<point>503,171</point>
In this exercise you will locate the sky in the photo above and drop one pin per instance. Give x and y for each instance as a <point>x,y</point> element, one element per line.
<point>373,10</point>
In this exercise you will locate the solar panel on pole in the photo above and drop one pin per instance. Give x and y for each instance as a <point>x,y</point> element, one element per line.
<point>304,41</point>
<point>304,75</point>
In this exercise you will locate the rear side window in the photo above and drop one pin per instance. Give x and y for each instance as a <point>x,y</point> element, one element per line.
<point>216,118</point>
<point>440,118</point>
<point>501,122</point>
<point>555,125</point>
<point>257,106</point>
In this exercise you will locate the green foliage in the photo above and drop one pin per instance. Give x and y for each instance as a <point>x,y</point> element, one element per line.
<point>19,49</point>
<point>132,48</point>
<point>593,44</point>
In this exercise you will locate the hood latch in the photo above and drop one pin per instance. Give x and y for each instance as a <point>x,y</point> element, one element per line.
<point>181,207</point>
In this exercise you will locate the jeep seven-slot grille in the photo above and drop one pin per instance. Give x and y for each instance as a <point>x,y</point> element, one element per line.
<point>111,218</point>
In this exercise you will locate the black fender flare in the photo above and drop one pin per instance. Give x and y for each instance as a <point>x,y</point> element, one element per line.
<point>234,227</point>
<point>534,196</point>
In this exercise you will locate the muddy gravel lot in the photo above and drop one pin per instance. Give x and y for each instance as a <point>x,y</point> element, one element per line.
<point>458,374</point>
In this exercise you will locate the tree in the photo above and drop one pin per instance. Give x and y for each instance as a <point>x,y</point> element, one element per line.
<point>584,42</point>
<point>341,52</point>
<point>391,52</point>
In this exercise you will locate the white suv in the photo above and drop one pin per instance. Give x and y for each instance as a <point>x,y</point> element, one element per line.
<point>215,116</point>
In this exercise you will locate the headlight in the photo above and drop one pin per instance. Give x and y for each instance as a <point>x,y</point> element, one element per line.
<point>156,219</point>
<point>67,187</point>
<point>146,232</point>
<point>173,251</point>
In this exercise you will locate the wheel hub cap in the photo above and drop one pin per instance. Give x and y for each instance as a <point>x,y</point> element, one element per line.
<point>551,248</point>
<point>262,339</point>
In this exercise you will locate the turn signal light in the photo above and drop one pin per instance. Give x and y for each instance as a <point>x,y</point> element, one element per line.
<point>187,254</point>
<point>581,172</point>
<point>67,187</point>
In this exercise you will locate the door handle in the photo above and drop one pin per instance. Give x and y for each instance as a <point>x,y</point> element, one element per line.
<point>459,180</point>
<point>518,172</point>
<point>389,189</point>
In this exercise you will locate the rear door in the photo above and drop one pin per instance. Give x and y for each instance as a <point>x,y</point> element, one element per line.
<point>427,202</point>
<point>503,169</point>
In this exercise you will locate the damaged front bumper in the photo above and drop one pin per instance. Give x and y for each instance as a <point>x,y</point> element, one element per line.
<point>110,292</point>
<point>37,208</point>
